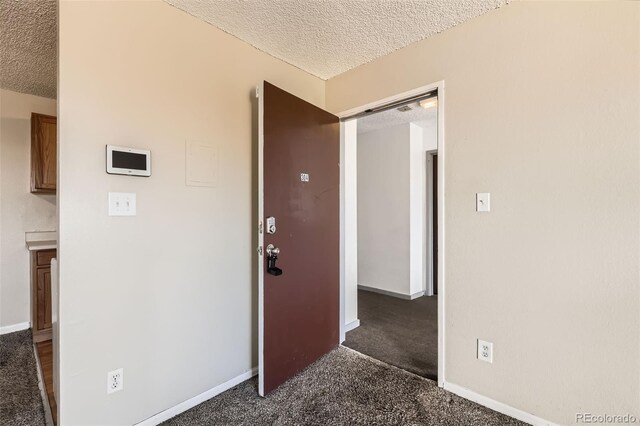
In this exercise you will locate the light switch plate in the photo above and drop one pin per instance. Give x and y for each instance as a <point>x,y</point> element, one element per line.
<point>483,202</point>
<point>122,204</point>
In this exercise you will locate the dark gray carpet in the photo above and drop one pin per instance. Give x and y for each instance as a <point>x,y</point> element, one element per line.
<point>403,333</point>
<point>20,399</point>
<point>343,388</point>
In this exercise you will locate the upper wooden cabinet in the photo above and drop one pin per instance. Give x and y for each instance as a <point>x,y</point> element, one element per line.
<point>43,153</point>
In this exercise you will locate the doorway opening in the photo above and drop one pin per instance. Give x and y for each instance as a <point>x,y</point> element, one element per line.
<point>392,231</point>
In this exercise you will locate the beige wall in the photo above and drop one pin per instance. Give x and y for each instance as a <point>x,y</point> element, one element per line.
<point>20,210</point>
<point>542,109</point>
<point>168,295</point>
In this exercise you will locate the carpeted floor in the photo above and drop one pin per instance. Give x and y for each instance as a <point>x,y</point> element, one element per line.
<point>20,398</point>
<point>343,388</point>
<point>403,333</point>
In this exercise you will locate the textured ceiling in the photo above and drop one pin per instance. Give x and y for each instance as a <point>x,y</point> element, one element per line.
<point>329,37</point>
<point>381,120</point>
<point>28,46</point>
<point>322,37</point>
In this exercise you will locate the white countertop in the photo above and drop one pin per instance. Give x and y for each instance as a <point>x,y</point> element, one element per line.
<point>41,240</point>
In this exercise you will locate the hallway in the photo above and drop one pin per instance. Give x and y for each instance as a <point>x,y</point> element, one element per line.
<point>403,333</point>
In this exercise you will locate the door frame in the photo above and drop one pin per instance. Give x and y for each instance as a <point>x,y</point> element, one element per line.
<point>260,97</point>
<point>431,223</point>
<point>440,86</point>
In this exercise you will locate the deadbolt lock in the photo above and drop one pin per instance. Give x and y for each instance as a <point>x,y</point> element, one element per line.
<point>271,225</point>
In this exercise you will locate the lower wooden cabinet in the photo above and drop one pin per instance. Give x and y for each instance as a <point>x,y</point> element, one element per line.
<point>41,294</point>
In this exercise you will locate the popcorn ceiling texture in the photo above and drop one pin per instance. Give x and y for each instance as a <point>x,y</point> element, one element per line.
<point>322,37</point>
<point>28,46</point>
<point>329,37</point>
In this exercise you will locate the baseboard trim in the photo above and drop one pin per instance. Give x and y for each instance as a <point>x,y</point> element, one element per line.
<point>198,399</point>
<point>417,294</point>
<point>392,293</point>
<point>14,327</point>
<point>352,325</point>
<point>497,406</point>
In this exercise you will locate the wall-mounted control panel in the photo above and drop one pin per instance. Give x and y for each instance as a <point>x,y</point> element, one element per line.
<point>271,225</point>
<point>128,161</point>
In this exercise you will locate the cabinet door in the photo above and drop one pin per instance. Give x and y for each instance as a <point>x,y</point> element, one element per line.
<point>43,153</point>
<point>43,295</point>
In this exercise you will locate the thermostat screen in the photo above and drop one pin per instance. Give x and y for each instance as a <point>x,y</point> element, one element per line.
<point>128,160</point>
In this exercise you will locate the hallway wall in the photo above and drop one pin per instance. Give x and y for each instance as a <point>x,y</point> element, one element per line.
<point>383,210</point>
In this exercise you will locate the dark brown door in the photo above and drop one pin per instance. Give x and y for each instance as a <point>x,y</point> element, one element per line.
<point>300,187</point>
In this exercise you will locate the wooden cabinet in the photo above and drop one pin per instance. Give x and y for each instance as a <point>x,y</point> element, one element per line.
<point>41,297</point>
<point>43,153</point>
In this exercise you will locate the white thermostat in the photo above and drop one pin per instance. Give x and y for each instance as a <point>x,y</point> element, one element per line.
<point>128,161</point>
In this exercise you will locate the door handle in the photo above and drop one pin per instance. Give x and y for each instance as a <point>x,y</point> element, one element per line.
<point>272,256</point>
<point>272,250</point>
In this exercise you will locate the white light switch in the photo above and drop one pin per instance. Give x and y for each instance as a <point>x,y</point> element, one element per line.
<point>483,202</point>
<point>122,204</point>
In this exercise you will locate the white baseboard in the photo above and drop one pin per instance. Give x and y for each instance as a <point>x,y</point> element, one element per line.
<point>497,406</point>
<point>392,293</point>
<point>198,399</point>
<point>416,295</point>
<point>352,325</point>
<point>15,327</point>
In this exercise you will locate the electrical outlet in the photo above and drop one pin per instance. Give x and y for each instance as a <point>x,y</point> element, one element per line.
<point>115,380</point>
<point>485,351</point>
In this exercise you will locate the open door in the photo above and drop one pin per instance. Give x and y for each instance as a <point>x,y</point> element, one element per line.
<point>299,235</point>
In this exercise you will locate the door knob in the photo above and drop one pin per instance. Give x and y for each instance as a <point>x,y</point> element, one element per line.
<point>272,250</point>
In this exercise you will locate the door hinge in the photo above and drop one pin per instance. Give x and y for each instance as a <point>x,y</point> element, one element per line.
<point>257,91</point>
<point>260,228</point>
<point>260,250</point>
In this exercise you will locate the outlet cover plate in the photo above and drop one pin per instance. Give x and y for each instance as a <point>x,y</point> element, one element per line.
<point>115,380</point>
<point>485,351</point>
